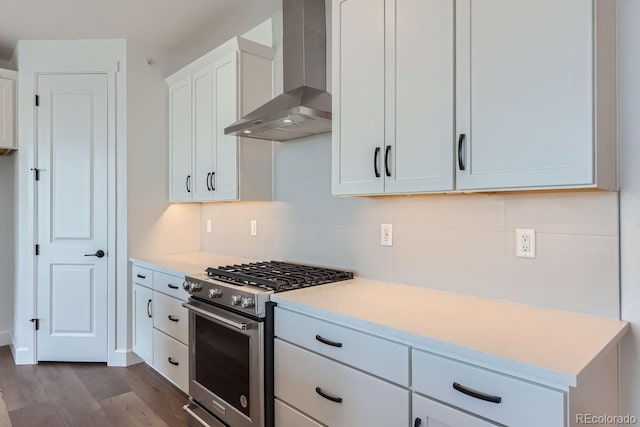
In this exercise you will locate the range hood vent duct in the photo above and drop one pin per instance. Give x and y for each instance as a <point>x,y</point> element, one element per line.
<point>304,108</point>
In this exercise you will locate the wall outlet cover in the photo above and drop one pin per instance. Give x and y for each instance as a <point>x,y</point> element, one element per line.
<point>525,242</point>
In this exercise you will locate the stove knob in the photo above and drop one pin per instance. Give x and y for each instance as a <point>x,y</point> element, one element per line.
<point>195,287</point>
<point>215,293</point>
<point>186,285</point>
<point>236,299</point>
<point>247,303</point>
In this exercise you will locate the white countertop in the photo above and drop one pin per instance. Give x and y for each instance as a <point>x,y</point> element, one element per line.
<point>552,347</point>
<point>548,346</point>
<point>186,263</point>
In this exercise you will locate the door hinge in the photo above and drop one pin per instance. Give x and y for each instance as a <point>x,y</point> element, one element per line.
<point>36,173</point>
<point>37,100</point>
<point>37,249</point>
<point>36,323</point>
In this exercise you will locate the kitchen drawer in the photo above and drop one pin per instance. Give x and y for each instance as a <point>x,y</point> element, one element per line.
<point>170,285</point>
<point>286,416</point>
<point>142,276</point>
<point>171,317</point>
<point>432,413</point>
<point>166,348</point>
<point>300,377</point>
<point>523,403</point>
<point>381,357</point>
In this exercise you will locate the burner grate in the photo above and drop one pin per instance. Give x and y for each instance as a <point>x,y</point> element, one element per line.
<point>277,275</point>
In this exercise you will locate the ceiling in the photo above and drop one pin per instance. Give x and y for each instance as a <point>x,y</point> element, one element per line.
<point>169,24</point>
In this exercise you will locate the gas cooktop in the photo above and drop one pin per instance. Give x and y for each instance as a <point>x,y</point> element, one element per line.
<point>277,276</point>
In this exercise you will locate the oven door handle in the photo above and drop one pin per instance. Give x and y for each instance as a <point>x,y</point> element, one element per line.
<point>215,317</point>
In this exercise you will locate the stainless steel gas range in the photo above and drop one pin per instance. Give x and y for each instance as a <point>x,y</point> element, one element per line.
<point>231,339</point>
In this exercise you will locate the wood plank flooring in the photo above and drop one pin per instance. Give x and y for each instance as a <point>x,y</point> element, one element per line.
<point>86,394</point>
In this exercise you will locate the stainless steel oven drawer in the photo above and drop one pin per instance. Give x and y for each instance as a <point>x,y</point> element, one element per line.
<point>198,417</point>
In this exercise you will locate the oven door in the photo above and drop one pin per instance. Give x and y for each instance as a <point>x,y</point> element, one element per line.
<point>226,364</point>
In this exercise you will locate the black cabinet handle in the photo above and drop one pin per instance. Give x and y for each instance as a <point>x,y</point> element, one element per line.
<point>328,342</point>
<point>326,396</point>
<point>386,160</point>
<point>209,181</point>
<point>375,162</point>
<point>170,286</point>
<point>172,362</point>
<point>173,319</point>
<point>149,308</point>
<point>417,422</point>
<point>187,183</point>
<point>140,276</point>
<point>98,254</point>
<point>460,142</point>
<point>477,394</point>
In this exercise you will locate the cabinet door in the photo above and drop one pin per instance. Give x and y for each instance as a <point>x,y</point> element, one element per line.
<point>524,75</point>
<point>181,180</point>
<point>358,96</point>
<point>420,95</point>
<point>204,153</point>
<point>7,120</point>
<point>429,413</point>
<point>225,179</point>
<point>143,323</point>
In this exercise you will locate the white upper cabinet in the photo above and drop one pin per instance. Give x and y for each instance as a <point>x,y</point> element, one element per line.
<point>205,97</point>
<point>358,96</point>
<point>8,87</point>
<point>473,95</point>
<point>181,185</point>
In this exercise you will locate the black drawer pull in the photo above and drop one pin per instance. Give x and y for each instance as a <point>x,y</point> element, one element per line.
<point>172,362</point>
<point>140,276</point>
<point>460,161</point>
<point>326,396</point>
<point>386,160</point>
<point>417,422</point>
<point>173,319</point>
<point>477,394</point>
<point>376,154</point>
<point>172,286</point>
<point>328,342</point>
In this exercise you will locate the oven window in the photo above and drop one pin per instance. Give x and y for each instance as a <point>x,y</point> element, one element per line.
<point>222,363</point>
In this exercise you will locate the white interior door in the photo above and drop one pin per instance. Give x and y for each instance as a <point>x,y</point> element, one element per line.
<point>72,217</point>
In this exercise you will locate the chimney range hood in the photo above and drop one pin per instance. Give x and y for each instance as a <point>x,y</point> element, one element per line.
<point>304,108</point>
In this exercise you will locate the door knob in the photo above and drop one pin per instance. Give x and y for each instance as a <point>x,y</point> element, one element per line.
<point>99,253</point>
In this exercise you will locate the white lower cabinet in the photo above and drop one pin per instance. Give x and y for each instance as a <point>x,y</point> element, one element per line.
<point>494,396</point>
<point>286,416</point>
<point>143,323</point>
<point>161,324</point>
<point>171,359</point>
<point>334,394</point>
<point>429,413</point>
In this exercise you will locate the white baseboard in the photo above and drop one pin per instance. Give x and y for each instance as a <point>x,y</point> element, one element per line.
<point>22,356</point>
<point>5,338</point>
<point>123,358</point>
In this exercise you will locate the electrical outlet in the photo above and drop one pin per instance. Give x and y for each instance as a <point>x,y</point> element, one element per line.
<point>525,242</point>
<point>208,226</point>
<point>254,227</point>
<point>386,235</point>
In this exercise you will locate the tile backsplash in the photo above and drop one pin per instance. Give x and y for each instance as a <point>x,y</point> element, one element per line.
<point>461,243</point>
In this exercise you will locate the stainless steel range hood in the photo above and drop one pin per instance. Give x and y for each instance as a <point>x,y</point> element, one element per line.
<point>304,108</point>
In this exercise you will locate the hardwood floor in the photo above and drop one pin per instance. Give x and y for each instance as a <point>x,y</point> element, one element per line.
<point>86,394</point>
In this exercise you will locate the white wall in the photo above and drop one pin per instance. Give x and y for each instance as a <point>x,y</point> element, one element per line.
<point>154,226</point>
<point>629,35</point>
<point>7,246</point>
